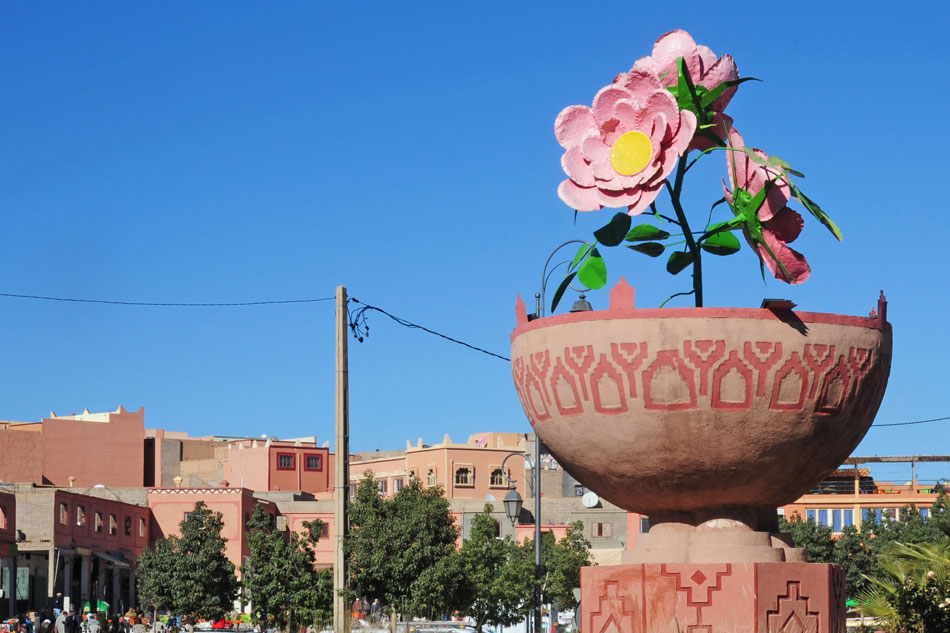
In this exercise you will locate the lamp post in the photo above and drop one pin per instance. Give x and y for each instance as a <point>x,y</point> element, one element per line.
<point>537,533</point>
<point>513,501</point>
<point>513,504</point>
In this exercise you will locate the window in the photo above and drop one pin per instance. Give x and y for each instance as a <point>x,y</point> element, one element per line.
<point>80,515</point>
<point>128,525</point>
<point>497,478</point>
<point>601,530</point>
<point>313,462</point>
<point>3,518</point>
<point>381,486</point>
<point>644,525</point>
<point>324,530</point>
<point>352,491</point>
<point>112,524</point>
<point>579,490</point>
<point>431,479</point>
<point>97,524</point>
<point>822,517</point>
<point>810,515</point>
<point>924,512</point>
<point>63,514</point>
<point>463,477</point>
<point>286,461</point>
<point>141,526</point>
<point>397,484</point>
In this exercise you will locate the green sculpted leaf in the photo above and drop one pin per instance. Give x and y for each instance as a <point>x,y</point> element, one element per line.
<point>644,232</point>
<point>614,231</point>
<point>686,93</point>
<point>561,290</point>
<point>653,249</point>
<point>593,272</point>
<point>678,261</point>
<point>816,211</point>
<point>581,254</point>
<point>721,243</point>
<point>710,96</point>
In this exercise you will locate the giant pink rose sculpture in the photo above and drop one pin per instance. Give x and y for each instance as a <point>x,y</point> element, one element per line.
<point>636,140</point>
<point>705,68</point>
<point>619,152</point>
<point>773,225</point>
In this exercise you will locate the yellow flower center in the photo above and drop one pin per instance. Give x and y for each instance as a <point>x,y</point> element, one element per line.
<point>631,153</point>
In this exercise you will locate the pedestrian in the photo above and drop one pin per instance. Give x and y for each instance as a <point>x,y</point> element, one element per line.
<point>374,610</point>
<point>92,624</point>
<point>73,622</point>
<point>57,605</point>
<point>60,623</point>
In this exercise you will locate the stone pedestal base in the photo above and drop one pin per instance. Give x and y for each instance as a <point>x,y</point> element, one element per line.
<point>713,598</point>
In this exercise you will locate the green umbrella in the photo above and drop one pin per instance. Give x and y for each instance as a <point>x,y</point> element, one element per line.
<point>101,607</point>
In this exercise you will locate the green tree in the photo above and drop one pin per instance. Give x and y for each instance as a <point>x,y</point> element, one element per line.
<point>280,579</point>
<point>855,552</point>
<point>189,574</point>
<point>156,576</point>
<point>499,575</point>
<point>815,538</point>
<point>561,563</point>
<point>912,592</point>
<point>393,541</point>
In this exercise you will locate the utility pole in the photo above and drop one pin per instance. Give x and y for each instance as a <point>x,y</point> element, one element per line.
<point>341,490</point>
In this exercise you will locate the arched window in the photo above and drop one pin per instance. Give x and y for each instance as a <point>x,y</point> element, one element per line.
<point>98,522</point>
<point>497,477</point>
<point>80,515</point>
<point>431,479</point>
<point>112,524</point>
<point>63,513</point>
<point>463,477</point>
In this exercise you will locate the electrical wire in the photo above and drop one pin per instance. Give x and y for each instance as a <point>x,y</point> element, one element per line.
<point>171,305</point>
<point>360,328</point>
<point>876,426</point>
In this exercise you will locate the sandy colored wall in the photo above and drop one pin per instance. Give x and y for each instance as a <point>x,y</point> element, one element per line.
<point>22,453</point>
<point>247,468</point>
<point>95,452</point>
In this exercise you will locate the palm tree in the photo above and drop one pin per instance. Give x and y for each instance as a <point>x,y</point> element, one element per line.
<point>913,593</point>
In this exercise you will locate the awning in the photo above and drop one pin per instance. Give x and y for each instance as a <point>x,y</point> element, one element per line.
<point>115,558</point>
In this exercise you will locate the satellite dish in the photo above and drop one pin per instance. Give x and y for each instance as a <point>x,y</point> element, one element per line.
<point>590,499</point>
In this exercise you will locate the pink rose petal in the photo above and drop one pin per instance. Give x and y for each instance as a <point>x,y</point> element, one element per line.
<point>572,124</point>
<point>579,198</point>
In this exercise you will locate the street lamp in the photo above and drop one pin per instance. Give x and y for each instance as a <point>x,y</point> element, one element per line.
<point>513,503</point>
<point>513,500</point>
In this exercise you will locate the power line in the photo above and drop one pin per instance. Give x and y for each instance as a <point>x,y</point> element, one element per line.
<point>910,423</point>
<point>360,328</point>
<point>169,305</point>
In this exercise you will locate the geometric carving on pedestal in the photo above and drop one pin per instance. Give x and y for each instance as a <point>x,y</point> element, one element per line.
<point>791,614</point>
<point>615,612</point>
<point>699,583</point>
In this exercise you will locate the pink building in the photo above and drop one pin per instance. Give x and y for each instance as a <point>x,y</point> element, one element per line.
<point>8,545</point>
<point>169,507</point>
<point>61,450</point>
<point>472,470</point>
<point>279,465</point>
<point>82,543</point>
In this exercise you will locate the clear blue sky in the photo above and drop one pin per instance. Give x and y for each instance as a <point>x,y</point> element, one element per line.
<point>231,151</point>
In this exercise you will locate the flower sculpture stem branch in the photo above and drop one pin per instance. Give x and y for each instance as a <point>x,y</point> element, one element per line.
<point>694,249</point>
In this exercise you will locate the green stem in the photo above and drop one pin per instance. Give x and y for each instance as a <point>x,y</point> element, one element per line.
<point>690,242</point>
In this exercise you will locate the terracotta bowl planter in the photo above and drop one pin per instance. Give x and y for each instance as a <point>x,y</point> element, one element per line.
<point>696,414</point>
